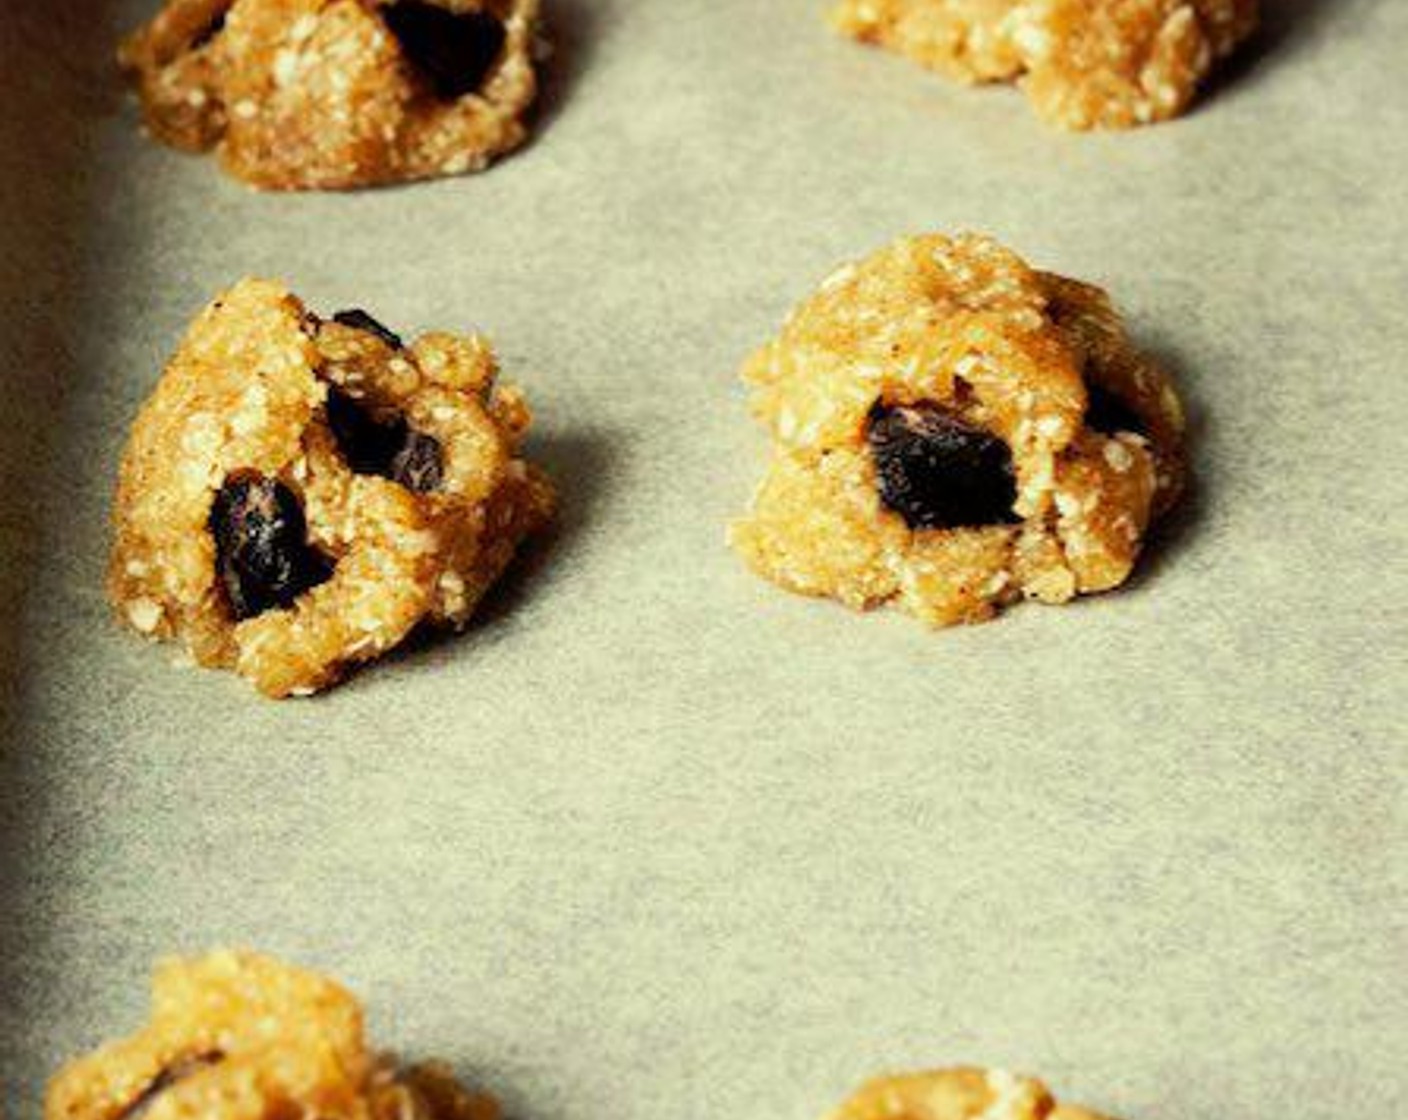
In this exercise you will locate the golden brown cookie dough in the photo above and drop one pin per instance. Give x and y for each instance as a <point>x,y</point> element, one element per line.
<point>1084,63</point>
<point>954,431</point>
<point>957,1094</point>
<point>238,1036</point>
<point>298,494</point>
<point>328,94</point>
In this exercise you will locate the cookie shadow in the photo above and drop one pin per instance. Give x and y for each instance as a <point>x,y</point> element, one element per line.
<point>1287,27</point>
<point>580,465</point>
<point>1176,532</point>
<point>571,31</point>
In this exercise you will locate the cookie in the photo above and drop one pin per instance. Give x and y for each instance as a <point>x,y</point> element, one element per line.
<point>332,94</point>
<point>954,431</point>
<point>1083,63</point>
<point>958,1094</point>
<point>298,494</point>
<point>238,1036</point>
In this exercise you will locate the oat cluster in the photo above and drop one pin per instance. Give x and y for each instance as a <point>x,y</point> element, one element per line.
<point>238,1036</point>
<point>298,494</point>
<point>954,431</point>
<point>1083,63</point>
<point>326,94</point>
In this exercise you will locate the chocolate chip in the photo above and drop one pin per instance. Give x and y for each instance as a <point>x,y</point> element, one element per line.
<point>359,320</point>
<point>387,448</point>
<point>418,465</point>
<point>171,1075</point>
<point>938,471</point>
<point>453,50</point>
<point>367,445</point>
<point>1109,414</point>
<point>207,33</point>
<point>262,555</point>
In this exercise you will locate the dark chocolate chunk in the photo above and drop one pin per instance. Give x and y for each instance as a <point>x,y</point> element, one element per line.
<point>368,445</point>
<point>262,555</point>
<point>207,33</point>
<point>1109,414</point>
<point>176,1072</point>
<point>359,320</point>
<point>938,471</point>
<point>418,465</point>
<point>454,51</point>
<point>387,448</point>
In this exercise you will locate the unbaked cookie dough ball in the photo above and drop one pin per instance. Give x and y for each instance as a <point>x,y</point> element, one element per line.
<point>1084,63</point>
<point>954,431</point>
<point>327,94</point>
<point>958,1094</point>
<point>239,1036</point>
<point>298,494</point>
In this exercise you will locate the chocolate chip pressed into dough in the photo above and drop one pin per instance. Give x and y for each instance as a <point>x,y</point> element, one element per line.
<point>954,431</point>
<point>333,94</point>
<point>298,494</point>
<point>236,1035</point>
<point>1083,63</point>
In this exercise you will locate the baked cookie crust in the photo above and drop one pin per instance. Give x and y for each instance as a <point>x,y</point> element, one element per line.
<point>335,94</point>
<point>958,1094</point>
<point>298,494</point>
<point>1083,63</point>
<point>954,431</point>
<point>239,1036</point>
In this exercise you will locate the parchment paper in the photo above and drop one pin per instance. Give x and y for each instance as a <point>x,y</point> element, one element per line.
<point>655,838</point>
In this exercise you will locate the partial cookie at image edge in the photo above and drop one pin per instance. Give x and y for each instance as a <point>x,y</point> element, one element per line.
<point>1109,65</point>
<point>338,94</point>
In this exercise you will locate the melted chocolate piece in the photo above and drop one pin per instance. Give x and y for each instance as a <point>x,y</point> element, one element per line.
<point>1110,415</point>
<point>938,471</point>
<point>454,51</point>
<point>359,320</point>
<point>262,555</point>
<point>212,29</point>
<point>176,1072</point>
<point>418,465</point>
<point>386,448</point>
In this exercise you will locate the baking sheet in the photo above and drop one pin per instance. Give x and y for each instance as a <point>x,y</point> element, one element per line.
<point>656,838</point>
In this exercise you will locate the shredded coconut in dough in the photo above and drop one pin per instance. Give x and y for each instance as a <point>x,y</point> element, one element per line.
<point>298,494</point>
<point>954,431</point>
<point>1084,63</point>
<point>238,1036</point>
<point>329,94</point>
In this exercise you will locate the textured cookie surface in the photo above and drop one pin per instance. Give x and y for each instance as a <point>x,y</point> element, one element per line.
<point>954,431</point>
<point>306,94</point>
<point>298,494</point>
<point>957,1094</point>
<point>1084,63</point>
<point>238,1036</point>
